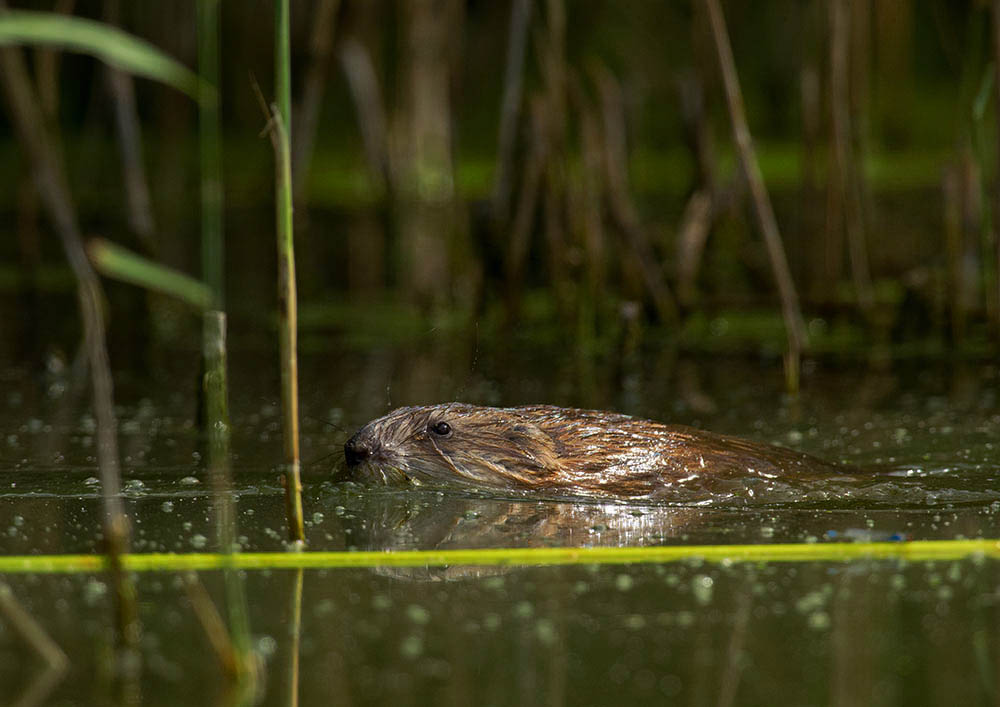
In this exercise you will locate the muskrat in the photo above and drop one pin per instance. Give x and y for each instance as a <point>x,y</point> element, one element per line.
<point>561,451</point>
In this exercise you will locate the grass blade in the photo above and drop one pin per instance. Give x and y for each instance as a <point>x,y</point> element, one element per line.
<point>106,42</point>
<point>122,264</point>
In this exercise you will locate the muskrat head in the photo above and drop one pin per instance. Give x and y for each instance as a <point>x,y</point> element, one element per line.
<point>453,443</point>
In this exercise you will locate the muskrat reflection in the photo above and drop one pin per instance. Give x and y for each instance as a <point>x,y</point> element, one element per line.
<point>431,521</point>
<point>424,520</point>
<point>563,451</point>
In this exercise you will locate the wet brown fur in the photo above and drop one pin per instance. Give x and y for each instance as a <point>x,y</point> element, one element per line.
<point>559,449</point>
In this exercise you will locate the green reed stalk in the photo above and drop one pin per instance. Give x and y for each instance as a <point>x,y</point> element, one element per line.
<point>214,382</point>
<point>281,119</point>
<point>217,424</point>
<point>209,149</point>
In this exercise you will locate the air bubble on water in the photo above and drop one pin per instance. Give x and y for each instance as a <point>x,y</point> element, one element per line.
<point>266,646</point>
<point>702,586</point>
<point>819,620</point>
<point>167,506</point>
<point>189,481</point>
<point>418,614</point>
<point>412,647</point>
<point>198,541</point>
<point>91,481</point>
<point>133,486</point>
<point>955,572</point>
<point>93,591</point>
<point>545,629</point>
<point>491,621</point>
<point>636,622</point>
<point>812,602</point>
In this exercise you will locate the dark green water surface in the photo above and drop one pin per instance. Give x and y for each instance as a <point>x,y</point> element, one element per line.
<point>879,632</point>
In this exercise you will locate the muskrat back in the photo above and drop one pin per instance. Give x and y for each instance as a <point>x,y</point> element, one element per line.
<point>557,449</point>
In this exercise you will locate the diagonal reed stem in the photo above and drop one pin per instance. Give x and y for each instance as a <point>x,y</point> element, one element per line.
<point>792,314</point>
<point>50,181</point>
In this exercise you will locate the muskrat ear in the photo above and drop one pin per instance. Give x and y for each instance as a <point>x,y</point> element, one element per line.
<point>525,434</point>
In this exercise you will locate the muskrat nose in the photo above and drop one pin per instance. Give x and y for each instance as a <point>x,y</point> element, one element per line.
<point>355,451</point>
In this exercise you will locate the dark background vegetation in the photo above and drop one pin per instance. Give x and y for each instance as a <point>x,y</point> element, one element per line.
<point>621,210</point>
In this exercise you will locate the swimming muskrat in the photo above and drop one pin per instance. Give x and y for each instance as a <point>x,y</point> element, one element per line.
<point>561,450</point>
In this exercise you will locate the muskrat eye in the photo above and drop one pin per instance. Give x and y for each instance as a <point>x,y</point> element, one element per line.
<point>442,429</point>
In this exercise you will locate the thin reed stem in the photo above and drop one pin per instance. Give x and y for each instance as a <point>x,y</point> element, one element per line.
<point>287,314</point>
<point>307,117</point>
<point>510,107</point>
<point>996,178</point>
<point>212,263</point>
<point>220,471</point>
<point>295,638</point>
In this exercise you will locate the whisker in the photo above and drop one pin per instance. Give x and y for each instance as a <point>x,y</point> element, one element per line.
<point>327,423</point>
<point>319,459</point>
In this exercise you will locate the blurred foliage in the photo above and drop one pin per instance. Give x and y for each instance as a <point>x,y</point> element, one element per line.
<point>920,108</point>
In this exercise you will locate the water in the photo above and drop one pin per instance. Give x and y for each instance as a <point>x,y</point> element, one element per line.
<point>814,632</point>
